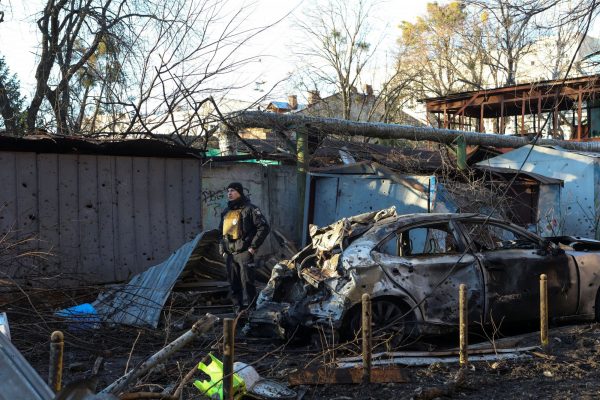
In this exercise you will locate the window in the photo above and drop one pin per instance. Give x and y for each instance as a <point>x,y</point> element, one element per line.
<point>421,241</point>
<point>495,237</point>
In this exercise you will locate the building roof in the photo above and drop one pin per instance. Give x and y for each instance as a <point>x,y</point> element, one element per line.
<point>510,172</point>
<point>515,99</point>
<point>83,145</point>
<point>283,105</point>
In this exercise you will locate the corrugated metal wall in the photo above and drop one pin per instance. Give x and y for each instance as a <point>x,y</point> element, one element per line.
<point>578,212</point>
<point>273,189</point>
<point>341,196</point>
<point>104,218</point>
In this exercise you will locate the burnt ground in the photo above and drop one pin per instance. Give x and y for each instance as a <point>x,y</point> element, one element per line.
<point>568,369</point>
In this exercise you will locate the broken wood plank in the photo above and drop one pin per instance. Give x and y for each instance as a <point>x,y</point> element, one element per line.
<point>331,376</point>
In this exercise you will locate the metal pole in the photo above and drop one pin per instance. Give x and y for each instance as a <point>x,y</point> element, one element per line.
<point>367,337</point>
<point>201,326</point>
<point>463,338</point>
<point>57,347</point>
<point>228,354</point>
<point>544,310</point>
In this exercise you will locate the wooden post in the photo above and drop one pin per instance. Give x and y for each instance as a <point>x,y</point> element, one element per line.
<point>523,116</point>
<point>463,322</point>
<point>579,105</point>
<point>366,337</point>
<point>228,347</point>
<point>539,110</point>
<point>544,310</point>
<point>501,117</point>
<point>57,347</point>
<point>445,118</point>
<point>481,124</point>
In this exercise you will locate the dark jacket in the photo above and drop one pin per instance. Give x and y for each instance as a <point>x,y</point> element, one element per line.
<point>254,228</point>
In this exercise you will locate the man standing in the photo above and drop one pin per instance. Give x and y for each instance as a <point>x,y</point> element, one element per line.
<point>244,229</point>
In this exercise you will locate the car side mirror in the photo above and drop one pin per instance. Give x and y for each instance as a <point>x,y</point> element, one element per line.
<point>551,248</point>
<point>555,249</point>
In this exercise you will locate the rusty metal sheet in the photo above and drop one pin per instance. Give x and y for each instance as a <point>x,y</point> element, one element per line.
<point>332,376</point>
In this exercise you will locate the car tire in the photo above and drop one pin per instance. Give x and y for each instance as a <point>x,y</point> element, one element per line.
<point>393,322</point>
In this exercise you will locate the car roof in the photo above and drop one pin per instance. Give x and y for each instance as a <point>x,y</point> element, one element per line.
<point>402,220</point>
<point>406,219</point>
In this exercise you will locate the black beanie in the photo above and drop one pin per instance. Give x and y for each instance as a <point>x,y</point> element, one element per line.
<point>237,187</point>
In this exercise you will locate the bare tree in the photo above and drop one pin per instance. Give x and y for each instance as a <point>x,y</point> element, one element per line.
<point>137,67</point>
<point>514,28</point>
<point>335,47</point>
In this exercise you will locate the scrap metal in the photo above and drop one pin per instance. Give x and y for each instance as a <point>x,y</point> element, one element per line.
<point>19,380</point>
<point>140,302</point>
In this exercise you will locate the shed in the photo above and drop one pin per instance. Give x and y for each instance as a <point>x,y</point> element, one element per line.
<point>347,190</point>
<point>352,189</point>
<point>576,211</point>
<point>101,211</point>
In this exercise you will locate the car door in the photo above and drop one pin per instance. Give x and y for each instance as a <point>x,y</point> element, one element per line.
<point>429,262</point>
<point>512,261</point>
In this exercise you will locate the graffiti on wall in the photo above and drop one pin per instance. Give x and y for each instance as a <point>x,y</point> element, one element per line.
<point>215,201</point>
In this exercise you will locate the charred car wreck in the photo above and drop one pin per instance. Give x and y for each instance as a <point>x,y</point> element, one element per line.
<point>412,266</point>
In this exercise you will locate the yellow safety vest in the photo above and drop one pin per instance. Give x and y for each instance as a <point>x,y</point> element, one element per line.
<point>232,224</point>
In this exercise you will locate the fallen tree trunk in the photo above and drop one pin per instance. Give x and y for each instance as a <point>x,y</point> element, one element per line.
<point>259,119</point>
<point>202,326</point>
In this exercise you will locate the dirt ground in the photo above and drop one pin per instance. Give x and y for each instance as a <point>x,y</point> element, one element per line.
<point>567,369</point>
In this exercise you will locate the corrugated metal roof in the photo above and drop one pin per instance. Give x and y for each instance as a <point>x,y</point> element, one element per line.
<point>83,145</point>
<point>540,178</point>
<point>140,302</point>
<point>18,379</point>
<point>584,153</point>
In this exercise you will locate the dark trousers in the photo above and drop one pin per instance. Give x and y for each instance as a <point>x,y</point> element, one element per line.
<point>240,272</point>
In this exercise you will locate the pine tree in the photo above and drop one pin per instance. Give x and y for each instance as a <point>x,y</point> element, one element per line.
<point>11,101</point>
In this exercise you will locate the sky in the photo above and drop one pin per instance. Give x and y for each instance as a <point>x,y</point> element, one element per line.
<point>18,38</point>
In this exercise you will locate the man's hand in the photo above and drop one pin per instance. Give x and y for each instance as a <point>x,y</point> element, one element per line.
<point>251,250</point>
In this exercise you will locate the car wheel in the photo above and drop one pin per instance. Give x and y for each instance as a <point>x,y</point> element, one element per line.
<point>393,322</point>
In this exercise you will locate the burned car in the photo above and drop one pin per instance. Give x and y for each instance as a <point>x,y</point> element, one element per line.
<point>412,266</point>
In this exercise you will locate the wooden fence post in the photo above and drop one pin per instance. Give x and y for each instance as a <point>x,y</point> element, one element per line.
<point>366,337</point>
<point>228,347</point>
<point>544,310</point>
<point>57,347</point>
<point>463,323</point>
